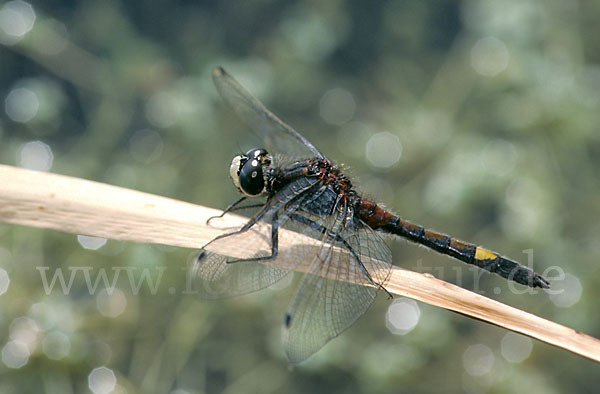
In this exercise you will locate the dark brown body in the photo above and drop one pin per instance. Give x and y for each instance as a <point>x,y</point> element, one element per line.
<point>382,220</point>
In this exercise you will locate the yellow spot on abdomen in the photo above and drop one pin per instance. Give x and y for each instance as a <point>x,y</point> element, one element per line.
<point>484,254</point>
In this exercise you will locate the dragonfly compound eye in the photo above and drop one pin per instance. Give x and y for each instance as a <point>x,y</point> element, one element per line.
<point>251,181</point>
<point>246,171</point>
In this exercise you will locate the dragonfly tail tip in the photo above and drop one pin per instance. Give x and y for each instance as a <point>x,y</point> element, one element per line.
<point>538,281</point>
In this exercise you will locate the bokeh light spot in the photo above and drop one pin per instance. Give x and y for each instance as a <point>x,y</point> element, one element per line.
<point>337,106</point>
<point>383,149</point>
<point>51,314</point>
<point>161,109</point>
<point>91,243</point>
<point>489,56</point>
<point>111,303</point>
<point>102,380</point>
<point>55,37</point>
<point>36,155</point>
<point>309,36</point>
<point>566,292</point>
<point>21,105</point>
<point>39,102</point>
<point>402,316</point>
<point>4,281</point>
<point>15,354</point>
<point>16,20</point>
<point>515,348</point>
<point>25,330</point>
<point>478,360</point>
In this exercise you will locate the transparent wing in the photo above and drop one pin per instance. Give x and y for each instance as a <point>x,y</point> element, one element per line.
<point>278,136</point>
<point>346,265</point>
<point>323,308</point>
<point>214,279</point>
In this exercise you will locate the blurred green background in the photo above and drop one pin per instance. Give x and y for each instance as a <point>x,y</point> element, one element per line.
<point>475,118</point>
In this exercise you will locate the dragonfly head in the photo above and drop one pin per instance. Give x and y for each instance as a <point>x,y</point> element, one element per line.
<point>248,171</point>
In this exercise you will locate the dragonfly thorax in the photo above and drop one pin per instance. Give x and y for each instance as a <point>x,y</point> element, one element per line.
<point>332,176</point>
<point>248,171</point>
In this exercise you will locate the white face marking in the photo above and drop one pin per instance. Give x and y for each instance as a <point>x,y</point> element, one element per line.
<point>233,171</point>
<point>257,153</point>
<point>254,163</point>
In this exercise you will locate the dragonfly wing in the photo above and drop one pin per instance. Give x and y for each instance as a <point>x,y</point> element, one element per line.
<point>213,278</point>
<point>322,307</point>
<point>278,136</point>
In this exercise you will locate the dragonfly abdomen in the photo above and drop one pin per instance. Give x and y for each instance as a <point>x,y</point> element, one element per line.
<point>382,220</point>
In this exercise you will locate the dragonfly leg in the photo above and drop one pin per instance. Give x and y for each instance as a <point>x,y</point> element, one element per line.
<point>230,208</point>
<point>244,228</point>
<point>274,244</point>
<point>290,200</point>
<point>258,205</point>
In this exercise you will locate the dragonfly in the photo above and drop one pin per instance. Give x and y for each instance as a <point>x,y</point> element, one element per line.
<point>303,191</point>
